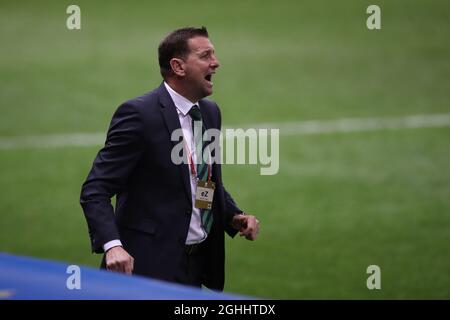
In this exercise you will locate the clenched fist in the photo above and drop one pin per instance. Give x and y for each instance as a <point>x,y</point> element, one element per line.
<point>118,260</point>
<point>247,225</point>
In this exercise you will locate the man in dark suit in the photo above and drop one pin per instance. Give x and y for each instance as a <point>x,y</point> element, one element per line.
<point>159,228</point>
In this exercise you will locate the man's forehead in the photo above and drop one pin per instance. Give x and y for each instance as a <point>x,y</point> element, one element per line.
<point>198,44</point>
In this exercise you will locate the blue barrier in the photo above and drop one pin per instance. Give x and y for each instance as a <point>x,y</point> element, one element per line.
<point>25,278</point>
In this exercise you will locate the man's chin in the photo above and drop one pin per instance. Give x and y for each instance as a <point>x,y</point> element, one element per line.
<point>207,92</point>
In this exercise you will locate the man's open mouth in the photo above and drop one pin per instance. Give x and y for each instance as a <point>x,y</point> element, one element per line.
<point>208,78</point>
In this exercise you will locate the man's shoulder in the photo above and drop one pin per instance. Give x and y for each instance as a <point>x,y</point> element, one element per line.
<point>147,99</point>
<point>209,105</point>
<point>211,110</point>
<point>144,105</point>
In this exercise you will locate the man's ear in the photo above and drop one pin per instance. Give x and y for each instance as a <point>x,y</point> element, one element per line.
<point>177,66</point>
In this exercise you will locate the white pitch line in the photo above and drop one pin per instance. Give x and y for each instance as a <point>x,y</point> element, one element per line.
<point>359,124</point>
<point>53,140</point>
<point>286,128</point>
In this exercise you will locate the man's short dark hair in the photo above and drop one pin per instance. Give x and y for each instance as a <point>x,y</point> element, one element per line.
<point>175,45</point>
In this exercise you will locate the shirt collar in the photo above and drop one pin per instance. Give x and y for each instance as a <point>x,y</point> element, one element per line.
<point>183,105</point>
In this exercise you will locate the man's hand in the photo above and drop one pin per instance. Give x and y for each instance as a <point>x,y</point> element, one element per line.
<point>247,225</point>
<point>117,259</point>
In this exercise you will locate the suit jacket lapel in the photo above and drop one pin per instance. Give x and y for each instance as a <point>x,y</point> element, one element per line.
<point>205,115</point>
<point>208,124</point>
<point>170,116</point>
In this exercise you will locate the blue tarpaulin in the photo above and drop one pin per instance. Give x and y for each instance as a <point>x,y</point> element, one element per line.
<point>31,278</point>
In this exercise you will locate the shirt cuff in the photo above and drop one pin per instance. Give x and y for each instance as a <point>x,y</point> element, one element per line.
<point>111,244</point>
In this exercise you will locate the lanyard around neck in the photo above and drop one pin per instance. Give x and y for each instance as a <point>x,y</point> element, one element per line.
<point>191,161</point>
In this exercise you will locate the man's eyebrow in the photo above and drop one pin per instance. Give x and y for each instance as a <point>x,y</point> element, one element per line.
<point>200,50</point>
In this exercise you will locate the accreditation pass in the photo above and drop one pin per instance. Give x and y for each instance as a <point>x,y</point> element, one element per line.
<point>204,195</point>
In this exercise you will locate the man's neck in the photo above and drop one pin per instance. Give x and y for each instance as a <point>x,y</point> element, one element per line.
<point>181,90</point>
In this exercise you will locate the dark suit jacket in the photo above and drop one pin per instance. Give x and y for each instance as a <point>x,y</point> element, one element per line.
<point>153,204</point>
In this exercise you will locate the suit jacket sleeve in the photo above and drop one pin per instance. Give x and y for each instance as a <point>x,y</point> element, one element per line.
<point>109,174</point>
<point>231,209</point>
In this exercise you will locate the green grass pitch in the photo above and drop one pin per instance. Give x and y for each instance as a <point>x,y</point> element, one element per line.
<point>340,202</point>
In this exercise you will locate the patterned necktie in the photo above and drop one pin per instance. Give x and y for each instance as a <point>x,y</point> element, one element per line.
<point>202,166</point>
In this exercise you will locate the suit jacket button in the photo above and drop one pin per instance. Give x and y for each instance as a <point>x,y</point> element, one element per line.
<point>188,211</point>
<point>181,241</point>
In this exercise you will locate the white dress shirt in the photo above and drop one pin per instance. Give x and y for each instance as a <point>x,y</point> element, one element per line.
<point>196,232</point>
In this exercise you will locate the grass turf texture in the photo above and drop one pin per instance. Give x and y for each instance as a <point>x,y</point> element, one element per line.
<point>340,201</point>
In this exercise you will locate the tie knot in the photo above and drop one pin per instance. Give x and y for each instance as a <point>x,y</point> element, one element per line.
<point>195,113</point>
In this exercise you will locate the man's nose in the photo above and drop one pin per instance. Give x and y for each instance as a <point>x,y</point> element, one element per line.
<point>215,63</point>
